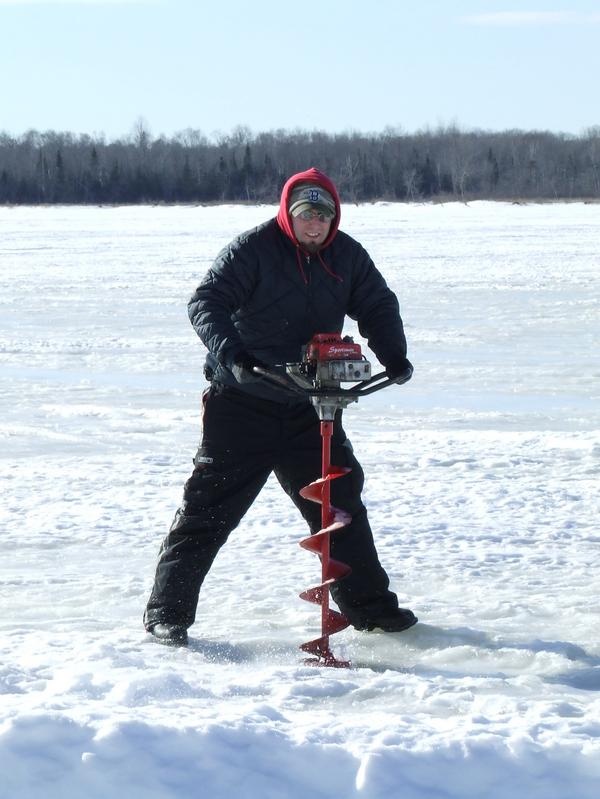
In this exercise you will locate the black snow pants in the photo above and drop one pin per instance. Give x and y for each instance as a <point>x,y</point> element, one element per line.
<point>244,439</point>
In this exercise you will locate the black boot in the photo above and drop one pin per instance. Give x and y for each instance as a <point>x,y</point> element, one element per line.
<point>390,621</point>
<point>170,634</point>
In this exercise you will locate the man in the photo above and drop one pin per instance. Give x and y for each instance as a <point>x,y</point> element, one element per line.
<point>265,297</point>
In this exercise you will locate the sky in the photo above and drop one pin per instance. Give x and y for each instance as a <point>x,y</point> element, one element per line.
<point>101,67</point>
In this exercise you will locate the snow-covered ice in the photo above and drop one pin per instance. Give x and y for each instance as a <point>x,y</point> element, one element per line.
<point>482,486</point>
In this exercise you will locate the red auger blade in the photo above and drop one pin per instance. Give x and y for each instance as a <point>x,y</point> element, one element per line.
<point>339,518</point>
<point>335,571</point>
<point>316,647</point>
<point>320,646</point>
<point>335,622</point>
<point>314,490</point>
<point>323,656</point>
<point>316,543</point>
<point>332,520</point>
<point>314,595</point>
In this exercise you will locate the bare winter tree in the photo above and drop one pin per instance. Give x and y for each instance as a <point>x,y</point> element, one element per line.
<point>244,167</point>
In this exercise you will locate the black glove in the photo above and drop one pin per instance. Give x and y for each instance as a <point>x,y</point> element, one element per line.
<point>243,366</point>
<point>399,368</point>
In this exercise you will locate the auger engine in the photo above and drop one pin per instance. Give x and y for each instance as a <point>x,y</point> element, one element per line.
<point>328,361</point>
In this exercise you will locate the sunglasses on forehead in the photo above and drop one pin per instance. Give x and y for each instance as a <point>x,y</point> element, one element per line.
<point>312,213</point>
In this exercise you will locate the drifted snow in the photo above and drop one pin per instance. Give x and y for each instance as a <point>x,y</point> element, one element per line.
<point>482,487</point>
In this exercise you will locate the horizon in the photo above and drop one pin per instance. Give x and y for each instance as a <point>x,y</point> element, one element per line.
<point>248,134</point>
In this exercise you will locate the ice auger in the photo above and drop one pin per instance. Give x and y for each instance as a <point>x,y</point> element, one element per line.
<point>328,361</point>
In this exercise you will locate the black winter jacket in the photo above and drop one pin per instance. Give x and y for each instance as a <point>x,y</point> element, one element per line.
<point>265,295</point>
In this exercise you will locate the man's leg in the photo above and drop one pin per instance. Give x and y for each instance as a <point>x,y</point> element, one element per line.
<point>231,467</point>
<point>364,596</point>
<point>215,499</point>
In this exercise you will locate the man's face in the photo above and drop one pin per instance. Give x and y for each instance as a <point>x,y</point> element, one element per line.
<point>312,231</point>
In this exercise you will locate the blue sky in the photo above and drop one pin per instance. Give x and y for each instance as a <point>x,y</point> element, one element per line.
<point>99,66</point>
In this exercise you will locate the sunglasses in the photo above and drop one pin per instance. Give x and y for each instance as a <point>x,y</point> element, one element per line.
<point>312,213</point>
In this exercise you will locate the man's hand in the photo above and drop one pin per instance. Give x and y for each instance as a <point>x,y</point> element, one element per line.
<point>399,368</point>
<point>243,367</point>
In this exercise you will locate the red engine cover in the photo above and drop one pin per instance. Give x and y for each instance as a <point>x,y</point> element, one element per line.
<point>331,347</point>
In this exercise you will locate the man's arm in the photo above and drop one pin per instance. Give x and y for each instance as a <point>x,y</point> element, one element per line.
<point>221,293</point>
<point>375,308</point>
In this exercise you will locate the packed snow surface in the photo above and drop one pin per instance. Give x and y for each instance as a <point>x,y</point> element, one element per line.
<point>482,488</point>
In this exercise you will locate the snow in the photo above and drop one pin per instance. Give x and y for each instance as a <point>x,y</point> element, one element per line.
<point>482,488</point>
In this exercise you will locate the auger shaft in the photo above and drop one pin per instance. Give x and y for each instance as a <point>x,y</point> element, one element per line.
<point>326,519</point>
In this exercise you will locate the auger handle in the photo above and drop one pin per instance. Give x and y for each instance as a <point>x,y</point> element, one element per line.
<point>362,389</point>
<point>379,381</point>
<point>283,381</point>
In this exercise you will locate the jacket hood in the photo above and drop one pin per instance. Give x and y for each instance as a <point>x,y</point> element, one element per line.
<point>311,175</point>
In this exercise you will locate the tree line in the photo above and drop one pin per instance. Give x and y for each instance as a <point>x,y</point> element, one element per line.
<point>242,166</point>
